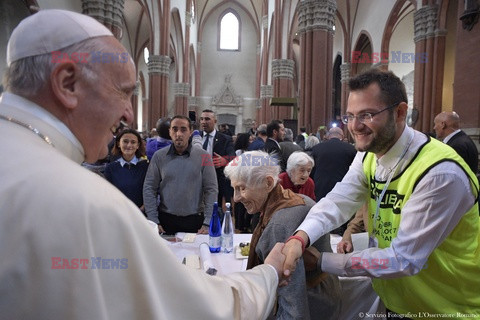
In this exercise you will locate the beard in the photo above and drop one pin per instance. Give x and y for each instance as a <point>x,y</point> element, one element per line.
<point>383,139</point>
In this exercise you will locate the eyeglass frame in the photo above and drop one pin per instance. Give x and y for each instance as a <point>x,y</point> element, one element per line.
<point>350,117</point>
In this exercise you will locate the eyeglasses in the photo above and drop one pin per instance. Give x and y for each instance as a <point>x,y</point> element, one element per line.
<point>366,116</point>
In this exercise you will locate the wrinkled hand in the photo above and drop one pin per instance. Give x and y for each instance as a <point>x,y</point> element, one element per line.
<point>344,246</point>
<point>203,230</point>
<point>219,161</point>
<point>310,258</point>
<point>160,229</point>
<point>276,259</point>
<point>293,251</point>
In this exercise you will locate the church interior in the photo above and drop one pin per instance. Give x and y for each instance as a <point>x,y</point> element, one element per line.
<point>258,60</point>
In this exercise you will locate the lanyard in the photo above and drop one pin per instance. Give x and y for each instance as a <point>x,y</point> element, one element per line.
<point>372,241</point>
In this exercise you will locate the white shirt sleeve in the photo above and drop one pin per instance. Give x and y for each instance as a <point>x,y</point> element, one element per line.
<point>340,204</point>
<point>434,209</point>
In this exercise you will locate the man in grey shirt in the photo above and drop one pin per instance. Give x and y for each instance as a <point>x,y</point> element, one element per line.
<point>183,178</point>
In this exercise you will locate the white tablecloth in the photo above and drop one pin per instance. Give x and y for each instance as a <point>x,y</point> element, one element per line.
<point>358,298</point>
<point>224,262</point>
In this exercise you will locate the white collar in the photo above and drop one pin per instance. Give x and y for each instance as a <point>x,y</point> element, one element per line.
<point>212,134</point>
<point>30,113</point>
<point>124,162</point>
<point>447,138</point>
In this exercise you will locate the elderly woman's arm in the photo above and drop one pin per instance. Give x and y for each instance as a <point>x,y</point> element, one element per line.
<point>292,299</point>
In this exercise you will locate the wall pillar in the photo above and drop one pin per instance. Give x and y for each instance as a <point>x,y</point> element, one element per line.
<point>282,78</point>
<point>107,12</point>
<point>158,72</point>
<point>266,93</point>
<point>426,98</point>
<point>181,92</point>
<point>315,26</point>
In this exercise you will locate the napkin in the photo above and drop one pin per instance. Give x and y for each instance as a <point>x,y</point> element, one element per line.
<point>206,258</point>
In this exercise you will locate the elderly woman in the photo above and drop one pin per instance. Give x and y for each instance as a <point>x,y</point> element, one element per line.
<point>254,178</point>
<point>297,177</point>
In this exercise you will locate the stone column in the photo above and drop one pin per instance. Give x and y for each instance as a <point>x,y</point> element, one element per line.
<point>345,70</point>
<point>282,78</point>
<point>181,92</point>
<point>315,26</point>
<point>264,114</point>
<point>266,93</point>
<point>158,72</point>
<point>186,54</point>
<point>425,92</point>
<point>134,101</point>
<point>107,12</point>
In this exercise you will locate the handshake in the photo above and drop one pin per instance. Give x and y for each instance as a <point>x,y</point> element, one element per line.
<point>284,257</point>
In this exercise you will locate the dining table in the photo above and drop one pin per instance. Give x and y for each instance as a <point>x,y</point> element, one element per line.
<point>359,300</point>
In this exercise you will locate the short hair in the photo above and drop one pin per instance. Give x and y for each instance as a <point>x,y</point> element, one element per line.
<point>163,125</point>
<point>252,168</point>
<point>311,141</point>
<point>262,129</point>
<point>141,146</point>
<point>26,77</point>
<point>178,116</point>
<point>392,89</point>
<point>288,135</point>
<point>298,158</point>
<point>242,141</point>
<point>273,125</point>
<point>208,110</point>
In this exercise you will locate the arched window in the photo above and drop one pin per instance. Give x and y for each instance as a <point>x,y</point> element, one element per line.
<point>229,31</point>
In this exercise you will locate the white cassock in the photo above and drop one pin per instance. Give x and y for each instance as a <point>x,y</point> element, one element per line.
<point>56,214</point>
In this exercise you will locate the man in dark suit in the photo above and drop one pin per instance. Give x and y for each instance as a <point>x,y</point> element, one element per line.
<point>447,129</point>
<point>275,134</point>
<point>220,146</point>
<point>332,160</point>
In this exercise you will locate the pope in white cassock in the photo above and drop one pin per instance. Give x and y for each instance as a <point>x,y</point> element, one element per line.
<point>72,245</point>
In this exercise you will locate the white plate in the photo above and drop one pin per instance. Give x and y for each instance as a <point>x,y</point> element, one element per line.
<point>238,253</point>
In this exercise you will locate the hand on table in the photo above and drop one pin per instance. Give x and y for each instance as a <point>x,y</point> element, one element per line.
<point>160,229</point>
<point>344,246</point>
<point>203,230</point>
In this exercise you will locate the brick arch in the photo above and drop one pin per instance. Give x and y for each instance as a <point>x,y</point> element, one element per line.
<point>364,41</point>
<point>395,14</point>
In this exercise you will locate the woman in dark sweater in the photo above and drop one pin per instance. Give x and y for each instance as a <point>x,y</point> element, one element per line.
<point>128,172</point>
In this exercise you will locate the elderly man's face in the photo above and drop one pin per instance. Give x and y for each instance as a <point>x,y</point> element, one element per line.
<point>299,175</point>
<point>103,102</point>
<point>439,126</point>
<point>253,198</point>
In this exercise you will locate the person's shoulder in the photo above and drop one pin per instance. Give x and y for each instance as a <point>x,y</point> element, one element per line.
<point>112,165</point>
<point>143,163</point>
<point>161,152</point>
<point>220,135</point>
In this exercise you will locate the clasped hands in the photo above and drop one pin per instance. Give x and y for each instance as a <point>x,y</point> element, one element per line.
<point>284,258</point>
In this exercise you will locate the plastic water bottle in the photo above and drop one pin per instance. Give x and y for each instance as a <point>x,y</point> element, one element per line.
<point>215,231</point>
<point>227,230</point>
